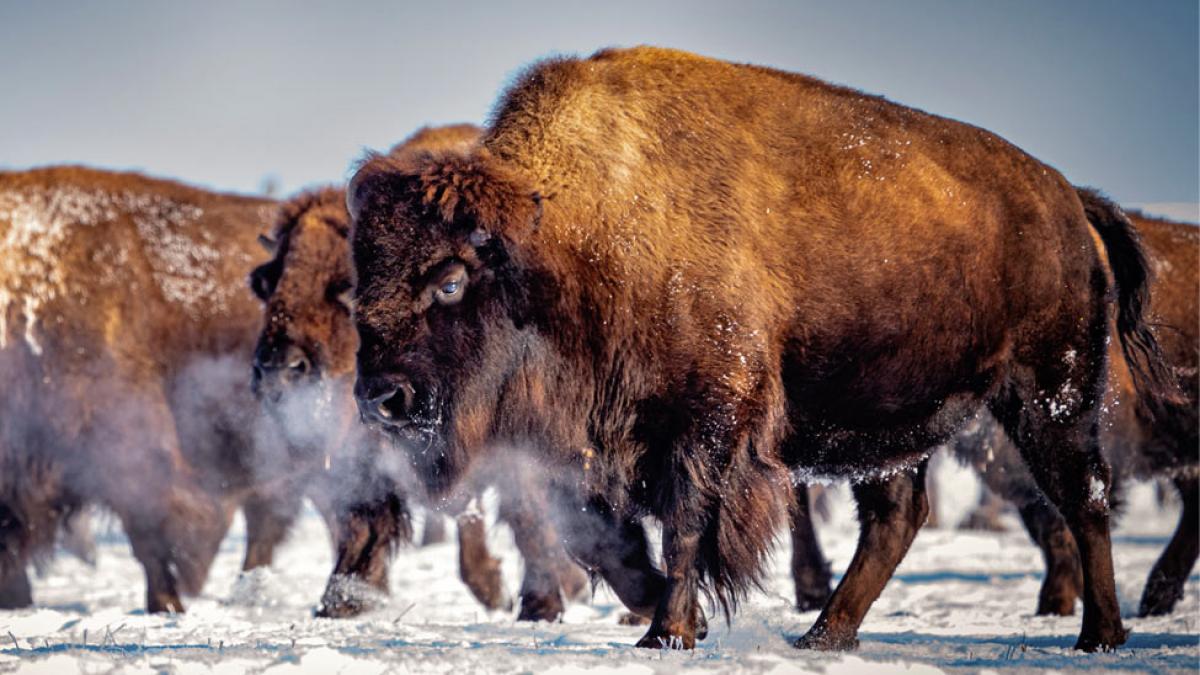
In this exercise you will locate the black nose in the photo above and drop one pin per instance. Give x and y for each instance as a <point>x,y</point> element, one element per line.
<point>280,366</point>
<point>387,401</point>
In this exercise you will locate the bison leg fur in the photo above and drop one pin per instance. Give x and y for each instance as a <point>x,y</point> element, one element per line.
<point>269,518</point>
<point>1165,585</point>
<point>15,591</point>
<point>1062,449</point>
<point>479,570</point>
<point>367,537</point>
<point>434,530</point>
<point>810,570</point>
<point>890,512</point>
<point>541,549</point>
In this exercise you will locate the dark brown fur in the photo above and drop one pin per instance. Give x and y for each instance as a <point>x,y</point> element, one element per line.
<point>680,276</point>
<point>119,297</point>
<point>309,339</point>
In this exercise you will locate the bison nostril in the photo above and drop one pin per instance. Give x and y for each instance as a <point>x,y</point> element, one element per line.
<point>393,407</point>
<point>299,366</point>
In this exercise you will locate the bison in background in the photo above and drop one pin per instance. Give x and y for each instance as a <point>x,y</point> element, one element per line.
<point>123,312</point>
<point>307,345</point>
<point>674,278</point>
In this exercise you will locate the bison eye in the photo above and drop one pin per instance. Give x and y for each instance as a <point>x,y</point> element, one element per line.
<point>450,290</point>
<point>261,284</point>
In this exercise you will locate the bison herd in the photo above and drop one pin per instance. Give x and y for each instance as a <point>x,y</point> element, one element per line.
<point>655,286</point>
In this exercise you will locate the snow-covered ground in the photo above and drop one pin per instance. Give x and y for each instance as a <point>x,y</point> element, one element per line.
<point>960,601</point>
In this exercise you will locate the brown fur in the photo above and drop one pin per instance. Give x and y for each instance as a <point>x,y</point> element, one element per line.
<point>1141,440</point>
<point>309,338</point>
<point>682,275</point>
<point>119,296</point>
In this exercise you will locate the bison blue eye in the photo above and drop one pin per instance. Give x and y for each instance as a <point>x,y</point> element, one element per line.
<point>450,289</point>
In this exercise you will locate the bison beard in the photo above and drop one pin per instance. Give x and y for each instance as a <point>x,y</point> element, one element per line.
<point>670,277</point>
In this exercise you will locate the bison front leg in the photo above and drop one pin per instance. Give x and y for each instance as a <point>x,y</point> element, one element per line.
<point>721,500</point>
<point>367,535</point>
<point>616,549</point>
<point>540,546</point>
<point>1164,588</point>
<point>677,616</point>
<point>477,567</point>
<point>15,591</point>
<point>269,517</point>
<point>1063,582</point>
<point>890,512</point>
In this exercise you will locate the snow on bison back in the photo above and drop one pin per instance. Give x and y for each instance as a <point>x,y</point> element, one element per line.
<point>674,278</point>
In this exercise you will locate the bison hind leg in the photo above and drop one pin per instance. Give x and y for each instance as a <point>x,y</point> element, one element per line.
<point>1049,410</point>
<point>1164,587</point>
<point>890,512</point>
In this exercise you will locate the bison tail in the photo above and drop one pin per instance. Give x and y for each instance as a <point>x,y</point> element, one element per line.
<point>1131,271</point>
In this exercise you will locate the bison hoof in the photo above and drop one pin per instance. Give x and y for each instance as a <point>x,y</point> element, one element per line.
<point>827,641</point>
<point>1159,598</point>
<point>661,639</point>
<point>164,603</point>
<point>1104,640</point>
<point>348,597</point>
<point>338,611</point>
<point>541,607</point>
<point>809,599</point>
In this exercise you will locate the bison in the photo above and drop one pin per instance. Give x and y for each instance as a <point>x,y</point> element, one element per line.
<point>682,283</point>
<point>1137,445</point>
<point>308,342</point>
<point>123,313</point>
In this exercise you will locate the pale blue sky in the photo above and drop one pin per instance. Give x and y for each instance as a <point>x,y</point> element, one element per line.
<point>224,94</point>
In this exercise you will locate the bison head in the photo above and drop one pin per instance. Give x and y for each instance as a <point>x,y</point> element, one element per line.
<point>440,299</point>
<point>308,338</point>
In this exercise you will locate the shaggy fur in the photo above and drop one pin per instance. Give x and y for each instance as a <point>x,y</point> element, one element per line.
<point>671,277</point>
<point>308,339</point>
<point>117,292</point>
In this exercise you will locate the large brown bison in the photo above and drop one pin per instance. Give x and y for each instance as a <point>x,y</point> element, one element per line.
<point>1136,443</point>
<point>308,343</point>
<point>123,314</point>
<point>672,278</point>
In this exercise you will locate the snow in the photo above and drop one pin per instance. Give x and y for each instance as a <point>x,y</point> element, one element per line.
<point>960,602</point>
<point>37,227</point>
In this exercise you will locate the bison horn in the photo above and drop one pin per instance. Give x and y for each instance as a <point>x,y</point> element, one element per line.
<point>267,243</point>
